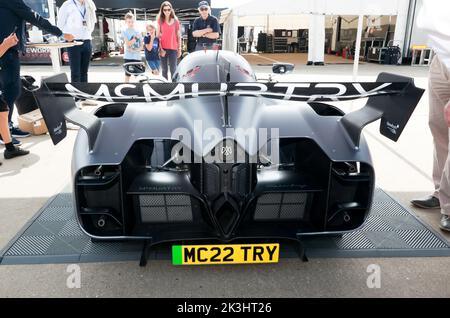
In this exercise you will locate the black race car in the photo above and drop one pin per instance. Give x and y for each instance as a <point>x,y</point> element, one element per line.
<point>219,155</point>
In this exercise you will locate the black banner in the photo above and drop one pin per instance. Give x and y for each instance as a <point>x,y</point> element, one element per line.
<point>212,307</point>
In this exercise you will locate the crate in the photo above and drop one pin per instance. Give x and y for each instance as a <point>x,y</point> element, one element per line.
<point>421,56</point>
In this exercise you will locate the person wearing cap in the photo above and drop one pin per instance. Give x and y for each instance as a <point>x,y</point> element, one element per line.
<point>205,28</point>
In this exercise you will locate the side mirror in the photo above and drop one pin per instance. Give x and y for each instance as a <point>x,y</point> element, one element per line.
<point>282,68</point>
<point>134,68</point>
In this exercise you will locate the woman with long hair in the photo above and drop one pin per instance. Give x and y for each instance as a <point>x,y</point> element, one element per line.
<point>169,37</point>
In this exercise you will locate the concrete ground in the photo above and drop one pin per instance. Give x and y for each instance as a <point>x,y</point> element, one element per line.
<point>295,58</point>
<point>403,170</point>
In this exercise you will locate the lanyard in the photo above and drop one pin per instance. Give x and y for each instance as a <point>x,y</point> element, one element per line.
<point>83,14</point>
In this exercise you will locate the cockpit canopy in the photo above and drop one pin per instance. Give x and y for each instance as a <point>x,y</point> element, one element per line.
<point>214,66</point>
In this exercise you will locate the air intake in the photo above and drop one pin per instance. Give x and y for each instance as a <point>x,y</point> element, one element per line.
<point>281,206</point>
<point>165,208</point>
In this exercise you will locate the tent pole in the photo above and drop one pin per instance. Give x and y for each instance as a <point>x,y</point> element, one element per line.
<point>357,47</point>
<point>55,54</point>
<point>235,32</point>
<point>401,25</point>
<point>319,46</point>
<point>311,39</point>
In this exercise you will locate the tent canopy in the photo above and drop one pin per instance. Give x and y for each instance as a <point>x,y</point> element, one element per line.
<point>147,4</point>
<point>256,11</point>
<point>298,21</point>
<point>116,9</point>
<point>331,7</point>
<point>249,11</point>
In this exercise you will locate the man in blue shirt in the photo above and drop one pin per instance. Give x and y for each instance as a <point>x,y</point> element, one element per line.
<point>205,28</point>
<point>13,15</point>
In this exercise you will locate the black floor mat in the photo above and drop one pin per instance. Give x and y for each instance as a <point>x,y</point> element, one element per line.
<point>53,236</point>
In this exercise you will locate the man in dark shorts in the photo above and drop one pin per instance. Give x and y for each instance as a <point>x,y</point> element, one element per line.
<point>205,28</point>
<point>11,151</point>
<point>13,15</point>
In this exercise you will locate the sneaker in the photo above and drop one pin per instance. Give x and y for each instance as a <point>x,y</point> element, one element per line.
<point>430,202</point>
<point>445,223</point>
<point>17,152</point>
<point>14,141</point>
<point>17,132</point>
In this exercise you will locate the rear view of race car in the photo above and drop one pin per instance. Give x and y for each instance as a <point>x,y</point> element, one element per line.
<point>218,155</point>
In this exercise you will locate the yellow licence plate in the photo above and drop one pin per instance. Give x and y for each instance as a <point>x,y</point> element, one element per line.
<point>225,254</point>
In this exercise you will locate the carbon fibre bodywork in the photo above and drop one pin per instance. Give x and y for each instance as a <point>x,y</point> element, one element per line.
<point>318,177</point>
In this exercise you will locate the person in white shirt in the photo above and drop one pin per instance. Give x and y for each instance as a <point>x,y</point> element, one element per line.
<point>434,19</point>
<point>78,17</point>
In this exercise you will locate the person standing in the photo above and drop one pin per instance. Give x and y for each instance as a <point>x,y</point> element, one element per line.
<point>437,25</point>
<point>133,43</point>
<point>169,34</point>
<point>13,15</point>
<point>78,17</point>
<point>11,151</point>
<point>151,44</point>
<point>205,28</point>
<point>251,38</point>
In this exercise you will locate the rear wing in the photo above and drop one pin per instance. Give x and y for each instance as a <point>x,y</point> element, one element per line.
<point>393,109</point>
<point>392,98</point>
<point>56,109</point>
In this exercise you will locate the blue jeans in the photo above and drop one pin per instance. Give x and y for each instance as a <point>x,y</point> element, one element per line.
<point>10,84</point>
<point>170,60</point>
<point>79,58</point>
<point>154,64</point>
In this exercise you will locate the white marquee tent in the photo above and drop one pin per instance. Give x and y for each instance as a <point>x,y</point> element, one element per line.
<point>257,10</point>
